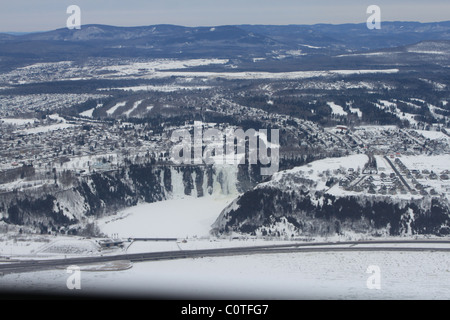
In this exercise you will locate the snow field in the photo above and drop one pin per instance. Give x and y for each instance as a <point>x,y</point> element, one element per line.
<point>176,218</point>
<point>342,275</point>
<point>336,109</point>
<point>115,107</point>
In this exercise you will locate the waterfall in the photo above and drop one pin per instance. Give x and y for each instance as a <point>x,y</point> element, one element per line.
<point>225,180</point>
<point>177,182</point>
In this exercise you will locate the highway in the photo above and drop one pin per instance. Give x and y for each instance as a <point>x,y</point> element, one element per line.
<point>317,247</point>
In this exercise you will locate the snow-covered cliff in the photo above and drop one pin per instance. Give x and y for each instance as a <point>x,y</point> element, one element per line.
<point>55,208</point>
<point>311,201</point>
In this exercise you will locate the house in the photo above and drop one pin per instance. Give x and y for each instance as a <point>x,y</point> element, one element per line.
<point>433,176</point>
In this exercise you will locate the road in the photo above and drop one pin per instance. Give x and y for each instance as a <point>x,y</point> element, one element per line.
<point>398,174</point>
<point>387,245</point>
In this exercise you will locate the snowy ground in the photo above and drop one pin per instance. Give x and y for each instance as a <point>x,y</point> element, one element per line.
<point>434,135</point>
<point>262,75</point>
<point>18,122</point>
<point>53,127</point>
<point>336,109</point>
<point>115,107</point>
<point>436,163</point>
<point>166,88</point>
<point>177,218</point>
<point>279,276</point>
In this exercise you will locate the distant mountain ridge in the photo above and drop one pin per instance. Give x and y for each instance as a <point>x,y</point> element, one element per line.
<point>352,35</point>
<point>234,41</point>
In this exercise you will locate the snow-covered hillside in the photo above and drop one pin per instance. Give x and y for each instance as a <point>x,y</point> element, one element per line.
<point>342,195</point>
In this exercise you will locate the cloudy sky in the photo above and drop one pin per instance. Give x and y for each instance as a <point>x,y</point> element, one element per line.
<point>42,15</point>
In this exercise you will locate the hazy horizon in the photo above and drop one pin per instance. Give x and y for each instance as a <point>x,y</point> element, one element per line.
<point>30,16</point>
<point>207,26</point>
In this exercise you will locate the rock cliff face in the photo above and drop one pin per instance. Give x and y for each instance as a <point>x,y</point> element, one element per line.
<point>53,208</point>
<point>283,213</point>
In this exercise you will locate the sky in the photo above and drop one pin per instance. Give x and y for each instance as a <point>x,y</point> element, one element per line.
<point>43,15</point>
